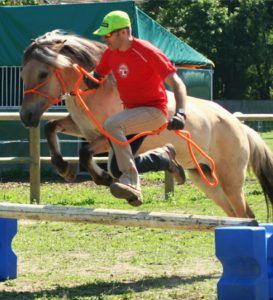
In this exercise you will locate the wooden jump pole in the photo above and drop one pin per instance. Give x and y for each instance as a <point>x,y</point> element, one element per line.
<point>118,217</point>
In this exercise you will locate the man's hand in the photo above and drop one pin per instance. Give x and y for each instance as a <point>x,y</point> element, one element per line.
<point>91,84</point>
<point>177,122</point>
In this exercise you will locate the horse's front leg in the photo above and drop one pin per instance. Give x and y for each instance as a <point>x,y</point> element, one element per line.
<point>52,128</point>
<point>99,145</point>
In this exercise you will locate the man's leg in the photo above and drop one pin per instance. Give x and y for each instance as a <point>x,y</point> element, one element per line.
<point>124,123</point>
<point>159,159</point>
<point>113,168</point>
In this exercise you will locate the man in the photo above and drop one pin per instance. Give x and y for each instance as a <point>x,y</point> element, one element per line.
<point>140,70</point>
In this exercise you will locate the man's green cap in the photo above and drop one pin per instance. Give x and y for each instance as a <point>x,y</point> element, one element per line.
<point>116,19</point>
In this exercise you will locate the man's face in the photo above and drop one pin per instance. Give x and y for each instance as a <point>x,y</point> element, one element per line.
<point>113,39</point>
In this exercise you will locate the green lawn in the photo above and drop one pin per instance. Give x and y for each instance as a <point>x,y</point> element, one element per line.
<point>268,138</point>
<point>85,261</point>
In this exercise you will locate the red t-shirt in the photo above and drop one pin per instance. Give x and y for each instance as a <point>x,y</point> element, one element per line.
<point>140,72</point>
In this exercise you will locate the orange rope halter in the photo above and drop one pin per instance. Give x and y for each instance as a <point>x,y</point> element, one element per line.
<point>181,133</point>
<point>34,90</point>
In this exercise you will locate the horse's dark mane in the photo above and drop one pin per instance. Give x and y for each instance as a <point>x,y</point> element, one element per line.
<point>61,50</point>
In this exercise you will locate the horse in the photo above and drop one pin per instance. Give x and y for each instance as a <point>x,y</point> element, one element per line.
<point>48,74</point>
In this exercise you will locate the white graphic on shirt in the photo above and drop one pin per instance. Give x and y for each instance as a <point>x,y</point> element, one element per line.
<point>123,70</point>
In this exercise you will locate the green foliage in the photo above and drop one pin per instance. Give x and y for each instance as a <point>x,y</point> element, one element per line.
<point>19,2</point>
<point>236,35</point>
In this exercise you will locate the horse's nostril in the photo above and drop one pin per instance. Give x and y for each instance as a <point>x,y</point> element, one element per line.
<point>32,121</point>
<point>29,117</point>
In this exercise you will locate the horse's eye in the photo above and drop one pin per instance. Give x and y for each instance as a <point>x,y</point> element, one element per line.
<point>43,75</point>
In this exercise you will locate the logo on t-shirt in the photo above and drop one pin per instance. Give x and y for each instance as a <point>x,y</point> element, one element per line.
<point>123,70</point>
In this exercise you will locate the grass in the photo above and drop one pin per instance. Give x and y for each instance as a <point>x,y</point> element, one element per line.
<point>268,138</point>
<point>85,261</point>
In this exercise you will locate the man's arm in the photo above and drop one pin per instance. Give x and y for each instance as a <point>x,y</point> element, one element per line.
<point>180,94</point>
<point>91,84</point>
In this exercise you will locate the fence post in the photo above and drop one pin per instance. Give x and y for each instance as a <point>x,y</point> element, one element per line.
<point>169,184</point>
<point>34,168</point>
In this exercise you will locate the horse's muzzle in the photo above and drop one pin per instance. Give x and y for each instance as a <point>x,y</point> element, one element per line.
<point>29,119</point>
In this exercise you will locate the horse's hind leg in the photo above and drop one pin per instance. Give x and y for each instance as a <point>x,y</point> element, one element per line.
<point>66,126</point>
<point>216,194</point>
<point>229,193</point>
<point>232,178</point>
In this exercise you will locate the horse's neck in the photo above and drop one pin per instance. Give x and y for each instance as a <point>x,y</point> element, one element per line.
<point>105,101</point>
<point>102,103</point>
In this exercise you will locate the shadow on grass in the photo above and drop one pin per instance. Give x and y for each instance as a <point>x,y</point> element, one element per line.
<point>102,288</point>
<point>20,175</point>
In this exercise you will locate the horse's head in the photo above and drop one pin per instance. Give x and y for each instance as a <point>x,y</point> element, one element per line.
<point>47,71</point>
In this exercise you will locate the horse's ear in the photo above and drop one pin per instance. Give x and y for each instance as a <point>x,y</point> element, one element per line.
<point>60,41</point>
<point>59,44</point>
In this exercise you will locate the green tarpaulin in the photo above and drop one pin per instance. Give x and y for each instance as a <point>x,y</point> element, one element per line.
<point>20,24</point>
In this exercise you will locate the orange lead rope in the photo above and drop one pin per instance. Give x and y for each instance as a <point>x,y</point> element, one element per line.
<point>187,136</point>
<point>181,133</point>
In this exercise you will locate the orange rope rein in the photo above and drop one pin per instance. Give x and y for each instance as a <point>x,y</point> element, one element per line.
<point>187,136</point>
<point>181,133</point>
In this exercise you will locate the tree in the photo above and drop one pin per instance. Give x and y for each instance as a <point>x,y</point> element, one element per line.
<point>20,2</point>
<point>236,35</point>
<point>247,62</point>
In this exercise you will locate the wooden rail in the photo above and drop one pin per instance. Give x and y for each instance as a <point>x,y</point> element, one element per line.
<point>118,217</point>
<point>253,117</point>
<point>34,160</point>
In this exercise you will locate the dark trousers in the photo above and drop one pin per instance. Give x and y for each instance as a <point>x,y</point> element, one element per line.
<point>146,162</point>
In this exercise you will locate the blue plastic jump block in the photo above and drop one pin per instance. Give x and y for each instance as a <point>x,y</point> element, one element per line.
<point>243,254</point>
<point>269,246</point>
<point>8,259</point>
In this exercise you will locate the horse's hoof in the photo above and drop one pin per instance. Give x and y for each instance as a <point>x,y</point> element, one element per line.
<point>70,174</point>
<point>104,179</point>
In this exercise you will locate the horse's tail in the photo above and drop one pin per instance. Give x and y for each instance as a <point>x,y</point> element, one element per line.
<point>261,161</point>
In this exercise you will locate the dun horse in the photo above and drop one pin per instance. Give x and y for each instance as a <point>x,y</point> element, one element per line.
<point>48,73</point>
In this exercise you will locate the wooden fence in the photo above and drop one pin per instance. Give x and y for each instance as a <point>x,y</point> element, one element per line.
<point>34,159</point>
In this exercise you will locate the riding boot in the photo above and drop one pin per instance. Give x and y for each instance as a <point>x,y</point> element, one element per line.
<point>161,159</point>
<point>124,188</point>
<point>112,166</point>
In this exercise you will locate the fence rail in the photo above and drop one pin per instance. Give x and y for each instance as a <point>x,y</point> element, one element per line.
<point>34,160</point>
<point>254,117</point>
